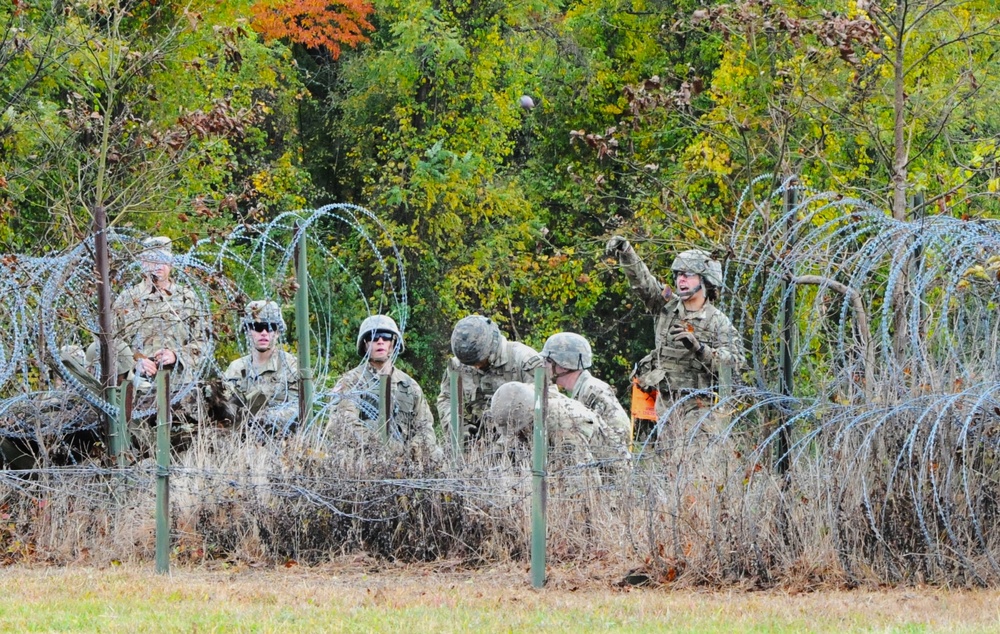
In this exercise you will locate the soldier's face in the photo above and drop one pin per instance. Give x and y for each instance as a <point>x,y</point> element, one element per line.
<point>380,346</point>
<point>687,281</point>
<point>156,271</point>
<point>262,340</point>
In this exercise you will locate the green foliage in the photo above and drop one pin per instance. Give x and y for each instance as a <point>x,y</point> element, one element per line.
<point>650,117</point>
<point>158,113</point>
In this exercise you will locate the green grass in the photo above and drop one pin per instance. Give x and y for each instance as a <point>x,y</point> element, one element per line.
<point>134,599</point>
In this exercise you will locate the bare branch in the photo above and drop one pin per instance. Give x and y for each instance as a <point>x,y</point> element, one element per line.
<point>860,318</point>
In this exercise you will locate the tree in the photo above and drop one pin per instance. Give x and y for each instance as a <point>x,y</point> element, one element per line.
<point>316,24</point>
<point>151,111</point>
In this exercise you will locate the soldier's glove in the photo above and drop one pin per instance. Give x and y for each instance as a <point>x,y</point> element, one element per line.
<point>680,334</point>
<point>615,245</point>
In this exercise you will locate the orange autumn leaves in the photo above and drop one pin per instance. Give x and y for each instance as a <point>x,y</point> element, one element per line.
<point>314,23</point>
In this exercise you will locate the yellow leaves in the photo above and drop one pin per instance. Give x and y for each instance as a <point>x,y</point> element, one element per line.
<point>704,154</point>
<point>976,271</point>
<point>280,182</point>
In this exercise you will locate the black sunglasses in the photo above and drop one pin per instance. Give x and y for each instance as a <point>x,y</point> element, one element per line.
<point>381,336</point>
<point>261,326</point>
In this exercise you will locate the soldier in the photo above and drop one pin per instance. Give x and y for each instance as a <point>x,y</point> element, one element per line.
<point>410,423</point>
<point>569,357</point>
<point>158,324</point>
<point>160,319</point>
<point>570,429</point>
<point>485,360</point>
<point>266,381</point>
<point>692,337</point>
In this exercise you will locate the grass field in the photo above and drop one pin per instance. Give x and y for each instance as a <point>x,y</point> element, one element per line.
<point>353,598</point>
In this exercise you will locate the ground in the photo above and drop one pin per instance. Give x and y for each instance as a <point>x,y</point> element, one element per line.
<point>348,597</point>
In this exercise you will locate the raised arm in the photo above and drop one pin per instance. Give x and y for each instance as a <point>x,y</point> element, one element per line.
<point>654,294</point>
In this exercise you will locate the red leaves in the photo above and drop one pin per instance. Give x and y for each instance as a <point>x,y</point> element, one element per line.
<point>314,23</point>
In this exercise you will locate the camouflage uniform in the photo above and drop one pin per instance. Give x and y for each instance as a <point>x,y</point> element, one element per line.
<point>410,423</point>
<point>672,368</point>
<point>148,319</point>
<point>570,354</point>
<point>264,394</point>
<point>409,416</point>
<point>615,433</point>
<point>508,361</point>
<point>570,428</point>
<point>275,385</point>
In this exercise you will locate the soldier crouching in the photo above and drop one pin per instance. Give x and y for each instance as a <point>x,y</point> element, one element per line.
<point>409,422</point>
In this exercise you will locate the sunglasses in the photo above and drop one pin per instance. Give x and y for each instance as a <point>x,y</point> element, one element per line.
<point>261,326</point>
<point>686,274</point>
<point>381,336</point>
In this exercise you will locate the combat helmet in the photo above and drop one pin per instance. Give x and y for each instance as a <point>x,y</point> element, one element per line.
<point>569,350</point>
<point>375,324</point>
<point>157,250</point>
<point>697,261</point>
<point>474,339</point>
<point>512,407</point>
<point>263,311</point>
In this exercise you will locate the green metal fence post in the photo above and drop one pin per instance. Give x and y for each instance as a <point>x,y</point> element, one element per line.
<point>302,330</point>
<point>725,389</point>
<point>383,407</point>
<point>113,395</point>
<point>163,420</point>
<point>538,483</point>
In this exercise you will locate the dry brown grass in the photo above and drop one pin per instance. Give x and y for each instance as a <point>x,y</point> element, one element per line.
<point>692,516</point>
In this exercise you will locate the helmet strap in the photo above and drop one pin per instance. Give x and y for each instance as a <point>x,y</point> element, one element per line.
<point>691,292</point>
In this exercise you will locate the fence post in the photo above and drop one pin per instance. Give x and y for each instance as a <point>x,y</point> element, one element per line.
<point>383,407</point>
<point>302,330</point>
<point>109,375</point>
<point>455,397</point>
<point>121,438</point>
<point>163,421</point>
<point>538,483</point>
<point>787,327</point>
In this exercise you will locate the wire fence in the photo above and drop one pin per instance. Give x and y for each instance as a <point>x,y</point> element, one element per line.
<point>878,463</point>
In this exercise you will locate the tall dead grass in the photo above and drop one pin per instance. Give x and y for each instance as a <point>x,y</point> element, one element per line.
<point>876,496</point>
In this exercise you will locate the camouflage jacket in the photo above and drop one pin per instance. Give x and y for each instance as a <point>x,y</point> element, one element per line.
<point>410,420</point>
<point>671,366</point>
<point>148,319</point>
<point>278,379</point>
<point>572,429</point>
<point>513,361</point>
<point>616,431</point>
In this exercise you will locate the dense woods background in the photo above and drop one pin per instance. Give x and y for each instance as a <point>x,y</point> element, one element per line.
<point>650,118</point>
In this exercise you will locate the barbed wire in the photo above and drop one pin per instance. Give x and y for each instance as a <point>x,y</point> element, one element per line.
<point>880,464</point>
